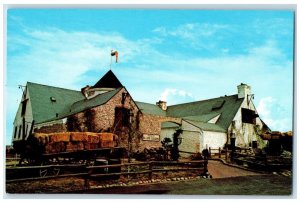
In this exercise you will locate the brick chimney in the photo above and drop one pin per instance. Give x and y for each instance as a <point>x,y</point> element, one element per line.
<point>84,91</point>
<point>162,105</point>
<point>243,90</point>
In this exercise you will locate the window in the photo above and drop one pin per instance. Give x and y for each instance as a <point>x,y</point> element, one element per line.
<point>20,131</point>
<point>52,99</point>
<point>249,116</point>
<point>15,133</point>
<point>122,116</point>
<point>123,98</point>
<point>24,103</point>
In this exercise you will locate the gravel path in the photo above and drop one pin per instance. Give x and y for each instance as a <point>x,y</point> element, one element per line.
<point>219,170</point>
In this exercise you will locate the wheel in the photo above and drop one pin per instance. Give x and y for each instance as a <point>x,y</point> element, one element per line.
<point>43,171</point>
<point>55,171</point>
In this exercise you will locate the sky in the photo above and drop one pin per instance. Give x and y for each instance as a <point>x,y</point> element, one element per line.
<point>173,55</point>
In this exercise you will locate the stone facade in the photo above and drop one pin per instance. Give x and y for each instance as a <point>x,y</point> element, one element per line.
<point>103,119</point>
<point>52,128</point>
<point>151,125</point>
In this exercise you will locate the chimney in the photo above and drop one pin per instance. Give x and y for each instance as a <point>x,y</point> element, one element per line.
<point>243,90</point>
<point>162,105</point>
<point>84,91</point>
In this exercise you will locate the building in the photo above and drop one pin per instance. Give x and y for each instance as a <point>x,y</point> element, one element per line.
<point>107,106</point>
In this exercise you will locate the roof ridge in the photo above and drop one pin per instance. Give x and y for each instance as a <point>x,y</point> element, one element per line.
<point>192,122</point>
<point>97,96</point>
<point>52,86</point>
<point>146,103</point>
<point>203,100</point>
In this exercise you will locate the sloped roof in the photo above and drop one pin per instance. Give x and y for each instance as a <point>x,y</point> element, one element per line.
<point>203,118</point>
<point>206,126</point>
<point>151,109</point>
<point>93,102</point>
<point>228,109</point>
<point>109,80</point>
<point>43,108</point>
<point>169,125</point>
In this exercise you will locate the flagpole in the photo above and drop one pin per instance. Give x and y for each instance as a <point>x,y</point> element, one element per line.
<point>113,53</point>
<point>110,61</point>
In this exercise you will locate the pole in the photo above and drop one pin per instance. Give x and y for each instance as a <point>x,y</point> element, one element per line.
<point>110,62</point>
<point>150,170</point>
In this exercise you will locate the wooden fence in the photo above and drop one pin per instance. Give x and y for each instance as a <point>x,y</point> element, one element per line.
<point>224,153</point>
<point>116,170</point>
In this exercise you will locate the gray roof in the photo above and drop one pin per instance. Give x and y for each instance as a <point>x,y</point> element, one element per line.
<point>203,118</point>
<point>151,109</point>
<point>206,126</point>
<point>227,106</point>
<point>67,102</point>
<point>93,102</point>
<point>43,108</point>
<point>201,111</point>
<point>169,125</point>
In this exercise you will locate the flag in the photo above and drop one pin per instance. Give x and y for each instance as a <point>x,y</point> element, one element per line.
<point>115,53</point>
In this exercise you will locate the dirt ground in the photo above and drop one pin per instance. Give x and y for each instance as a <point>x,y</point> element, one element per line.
<point>258,185</point>
<point>218,170</point>
<point>225,180</point>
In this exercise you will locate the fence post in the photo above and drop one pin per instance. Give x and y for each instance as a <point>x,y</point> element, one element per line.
<point>209,151</point>
<point>150,170</point>
<point>219,152</point>
<point>87,182</point>
<point>226,151</point>
<point>205,166</point>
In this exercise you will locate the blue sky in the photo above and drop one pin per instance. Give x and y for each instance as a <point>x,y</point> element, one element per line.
<point>174,55</point>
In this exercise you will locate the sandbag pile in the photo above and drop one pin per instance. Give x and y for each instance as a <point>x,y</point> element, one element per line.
<point>106,140</point>
<point>275,135</point>
<point>75,141</point>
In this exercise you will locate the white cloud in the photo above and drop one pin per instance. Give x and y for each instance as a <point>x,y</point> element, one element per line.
<point>263,107</point>
<point>192,30</point>
<point>194,34</point>
<point>166,93</point>
<point>271,112</point>
<point>278,124</point>
<point>61,58</point>
<point>175,96</point>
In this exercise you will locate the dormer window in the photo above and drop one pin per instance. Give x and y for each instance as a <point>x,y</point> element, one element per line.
<point>52,99</point>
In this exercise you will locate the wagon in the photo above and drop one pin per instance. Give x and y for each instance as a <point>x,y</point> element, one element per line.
<point>69,148</point>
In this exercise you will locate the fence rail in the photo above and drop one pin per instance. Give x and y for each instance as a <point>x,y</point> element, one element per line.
<point>125,169</point>
<point>226,152</point>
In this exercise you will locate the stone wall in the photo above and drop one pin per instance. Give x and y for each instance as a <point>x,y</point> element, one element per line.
<point>102,118</point>
<point>151,125</point>
<point>53,128</point>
